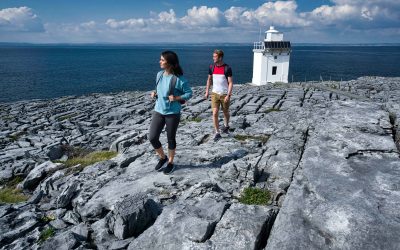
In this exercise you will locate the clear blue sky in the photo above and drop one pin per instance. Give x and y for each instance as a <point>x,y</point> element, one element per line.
<point>130,21</point>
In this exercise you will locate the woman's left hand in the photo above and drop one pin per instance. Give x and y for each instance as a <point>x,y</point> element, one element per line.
<point>171,98</point>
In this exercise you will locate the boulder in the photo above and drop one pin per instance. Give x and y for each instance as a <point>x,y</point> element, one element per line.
<point>38,174</point>
<point>183,222</point>
<point>132,216</point>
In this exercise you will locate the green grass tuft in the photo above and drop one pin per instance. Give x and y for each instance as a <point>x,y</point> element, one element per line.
<point>271,110</point>
<point>66,117</point>
<point>255,196</point>
<point>48,218</point>
<point>192,119</point>
<point>262,138</point>
<point>10,193</point>
<point>196,119</point>
<point>90,158</point>
<point>16,136</point>
<point>46,234</point>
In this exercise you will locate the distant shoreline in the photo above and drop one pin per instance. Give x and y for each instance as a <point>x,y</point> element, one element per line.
<point>67,97</point>
<point>6,44</point>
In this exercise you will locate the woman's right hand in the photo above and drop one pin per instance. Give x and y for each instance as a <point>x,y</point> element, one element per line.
<point>153,95</point>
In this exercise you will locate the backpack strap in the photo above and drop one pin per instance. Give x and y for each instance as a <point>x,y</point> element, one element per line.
<point>158,78</point>
<point>226,66</point>
<point>172,84</point>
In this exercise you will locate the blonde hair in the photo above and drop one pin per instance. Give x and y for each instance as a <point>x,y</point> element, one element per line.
<point>219,52</point>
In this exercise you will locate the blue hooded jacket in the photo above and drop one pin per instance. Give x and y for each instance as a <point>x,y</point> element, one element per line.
<point>182,89</point>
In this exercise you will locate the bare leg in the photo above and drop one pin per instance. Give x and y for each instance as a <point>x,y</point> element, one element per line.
<point>171,155</point>
<point>215,120</point>
<point>226,118</point>
<point>160,152</point>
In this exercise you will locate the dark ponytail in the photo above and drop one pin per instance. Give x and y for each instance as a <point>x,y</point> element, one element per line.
<point>173,62</point>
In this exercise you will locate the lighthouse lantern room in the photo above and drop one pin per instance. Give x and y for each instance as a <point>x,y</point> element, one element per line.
<point>271,59</point>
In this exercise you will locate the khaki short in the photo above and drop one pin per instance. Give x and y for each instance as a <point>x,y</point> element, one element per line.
<point>218,100</point>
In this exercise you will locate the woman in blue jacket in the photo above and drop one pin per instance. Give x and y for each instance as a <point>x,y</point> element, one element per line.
<point>168,107</point>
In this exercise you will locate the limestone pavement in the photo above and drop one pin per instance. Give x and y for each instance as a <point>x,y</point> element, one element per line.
<point>328,153</point>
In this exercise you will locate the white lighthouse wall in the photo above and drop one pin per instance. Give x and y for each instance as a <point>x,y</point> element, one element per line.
<point>259,69</point>
<point>282,68</point>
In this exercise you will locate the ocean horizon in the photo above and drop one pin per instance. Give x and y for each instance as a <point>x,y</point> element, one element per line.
<point>44,71</point>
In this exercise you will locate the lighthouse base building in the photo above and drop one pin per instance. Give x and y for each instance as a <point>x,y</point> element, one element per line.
<point>271,59</point>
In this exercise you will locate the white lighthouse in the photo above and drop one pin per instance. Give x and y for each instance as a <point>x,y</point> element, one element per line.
<point>271,59</point>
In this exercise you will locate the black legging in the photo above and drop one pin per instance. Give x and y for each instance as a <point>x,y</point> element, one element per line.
<point>157,124</point>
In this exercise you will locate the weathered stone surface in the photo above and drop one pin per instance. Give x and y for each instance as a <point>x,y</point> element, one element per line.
<point>243,227</point>
<point>65,241</point>
<point>101,237</point>
<point>184,221</point>
<point>312,145</point>
<point>132,216</point>
<point>38,174</point>
<point>6,175</point>
<point>119,245</point>
<point>58,224</point>
<point>16,224</point>
<point>345,191</point>
<point>28,241</point>
<point>64,199</point>
<point>80,231</point>
<point>71,217</point>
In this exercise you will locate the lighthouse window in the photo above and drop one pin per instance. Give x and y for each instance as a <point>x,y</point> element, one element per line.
<point>274,70</point>
<point>275,57</point>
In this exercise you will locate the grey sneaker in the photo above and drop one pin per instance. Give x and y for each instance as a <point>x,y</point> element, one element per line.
<point>217,136</point>
<point>161,163</point>
<point>169,168</point>
<point>225,130</point>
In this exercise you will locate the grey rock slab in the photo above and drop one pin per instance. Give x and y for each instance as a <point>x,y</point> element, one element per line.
<point>58,224</point>
<point>5,209</point>
<point>6,174</point>
<point>123,160</point>
<point>63,241</point>
<point>81,232</point>
<point>64,199</point>
<point>138,177</point>
<point>183,222</point>
<point>120,244</point>
<point>71,217</point>
<point>345,192</point>
<point>15,225</point>
<point>133,215</point>
<point>100,235</point>
<point>115,145</point>
<point>25,242</point>
<point>243,227</point>
<point>38,174</point>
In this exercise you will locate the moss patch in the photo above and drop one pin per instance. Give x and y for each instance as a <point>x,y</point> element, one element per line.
<point>13,182</point>
<point>89,159</point>
<point>255,196</point>
<point>10,193</point>
<point>271,110</point>
<point>262,138</point>
<point>66,117</point>
<point>191,119</point>
<point>48,218</point>
<point>16,136</point>
<point>46,234</point>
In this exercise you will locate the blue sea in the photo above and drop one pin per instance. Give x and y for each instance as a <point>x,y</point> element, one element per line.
<point>48,71</point>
